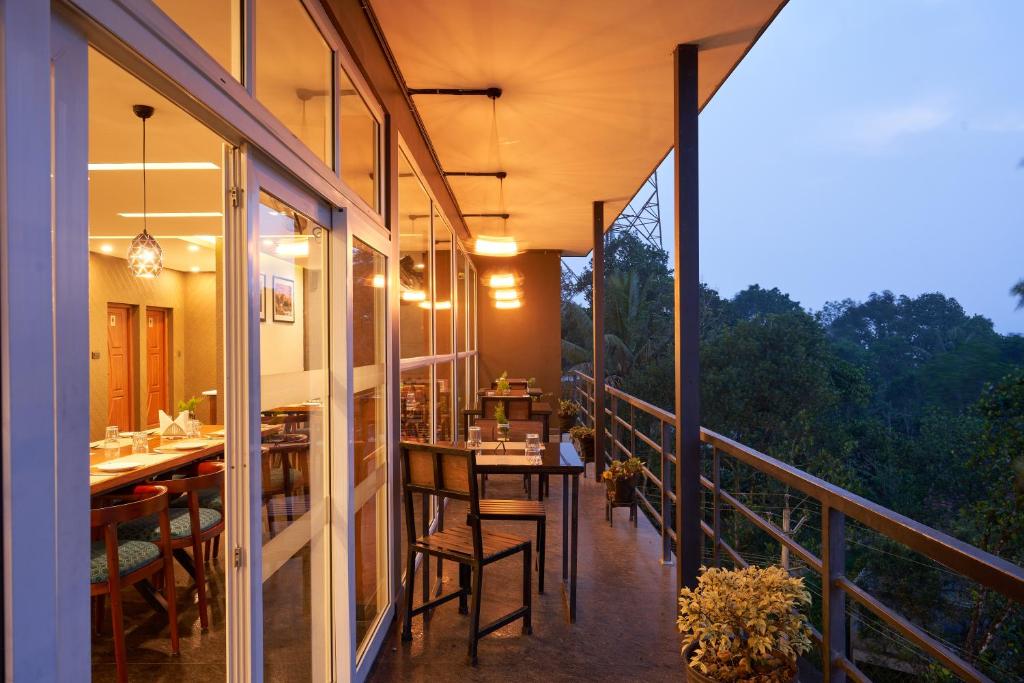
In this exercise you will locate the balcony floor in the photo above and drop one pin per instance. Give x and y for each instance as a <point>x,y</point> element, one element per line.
<point>626,607</point>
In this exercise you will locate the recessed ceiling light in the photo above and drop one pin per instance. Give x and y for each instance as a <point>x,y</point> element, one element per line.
<point>195,269</point>
<point>173,214</point>
<point>193,247</point>
<point>106,248</point>
<point>158,166</point>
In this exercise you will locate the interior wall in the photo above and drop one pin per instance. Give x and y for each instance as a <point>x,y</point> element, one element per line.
<point>203,348</point>
<point>110,281</point>
<point>284,378</point>
<point>526,342</point>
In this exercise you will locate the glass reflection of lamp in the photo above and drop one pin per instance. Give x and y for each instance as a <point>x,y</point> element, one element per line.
<point>145,257</point>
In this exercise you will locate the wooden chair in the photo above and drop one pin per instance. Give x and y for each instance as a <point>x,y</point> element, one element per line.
<point>520,511</point>
<point>451,473</point>
<point>118,562</point>
<point>190,527</point>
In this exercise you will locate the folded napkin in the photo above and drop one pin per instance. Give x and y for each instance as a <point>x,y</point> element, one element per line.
<point>176,427</point>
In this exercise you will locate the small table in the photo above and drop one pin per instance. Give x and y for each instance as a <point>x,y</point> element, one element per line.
<point>513,393</point>
<point>556,459</point>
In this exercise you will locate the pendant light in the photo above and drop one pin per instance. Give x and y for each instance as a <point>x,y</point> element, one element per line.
<point>504,244</point>
<point>145,257</point>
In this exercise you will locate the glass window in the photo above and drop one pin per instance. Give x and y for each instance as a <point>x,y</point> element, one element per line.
<point>214,24</point>
<point>444,386</point>
<point>443,246</point>
<point>471,309</point>
<point>462,300</point>
<point>414,264</point>
<point>360,135</point>
<point>370,440</point>
<point>293,73</point>
<point>294,388</point>
<point>416,404</point>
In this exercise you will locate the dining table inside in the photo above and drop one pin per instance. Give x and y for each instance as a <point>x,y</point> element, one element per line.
<point>555,459</point>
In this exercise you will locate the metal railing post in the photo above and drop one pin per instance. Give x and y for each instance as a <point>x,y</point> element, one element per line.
<point>666,502</point>
<point>612,454</point>
<point>716,509</point>
<point>833,598</point>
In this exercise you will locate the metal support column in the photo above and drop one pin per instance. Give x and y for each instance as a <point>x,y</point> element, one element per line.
<point>597,311</point>
<point>687,283</point>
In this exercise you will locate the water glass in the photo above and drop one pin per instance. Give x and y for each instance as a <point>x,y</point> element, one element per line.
<point>474,440</point>
<point>111,440</point>
<point>140,442</point>
<point>194,429</point>
<point>533,444</point>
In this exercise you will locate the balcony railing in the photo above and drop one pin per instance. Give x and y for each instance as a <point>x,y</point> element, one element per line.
<point>630,424</point>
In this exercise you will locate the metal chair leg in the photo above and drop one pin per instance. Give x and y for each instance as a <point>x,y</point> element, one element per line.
<point>527,592</point>
<point>474,619</point>
<point>409,590</point>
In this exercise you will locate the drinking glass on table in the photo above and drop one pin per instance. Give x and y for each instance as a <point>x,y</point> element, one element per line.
<point>473,440</point>
<point>533,444</point>
<point>140,442</point>
<point>194,429</point>
<point>112,440</point>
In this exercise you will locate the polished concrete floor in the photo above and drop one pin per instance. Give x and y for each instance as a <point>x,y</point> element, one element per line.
<point>625,628</point>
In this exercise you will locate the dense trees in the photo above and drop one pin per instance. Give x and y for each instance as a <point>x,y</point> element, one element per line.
<point>909,401</point>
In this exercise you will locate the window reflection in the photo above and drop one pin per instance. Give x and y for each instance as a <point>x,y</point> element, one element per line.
<point>416,404</point>
<point>414,265</point>
<point>359,133</point>
<point>214,24</point>
<point>443,300</point>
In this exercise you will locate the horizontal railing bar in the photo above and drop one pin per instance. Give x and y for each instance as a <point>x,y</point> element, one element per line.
<point>650,475</point>
<point>622,422</point>
<point>772,530</point>
<point>622,447</point>
<point>649,441</point>
<point>851,669</point>
<point>646,407</point>
<point>926,642</point>
<point>983,567</point>
<point>642,499</point>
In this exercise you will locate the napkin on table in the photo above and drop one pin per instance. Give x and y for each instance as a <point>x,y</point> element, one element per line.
<point>173,427</point>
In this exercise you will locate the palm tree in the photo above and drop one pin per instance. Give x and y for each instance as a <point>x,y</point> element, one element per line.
<point>1018,291</point>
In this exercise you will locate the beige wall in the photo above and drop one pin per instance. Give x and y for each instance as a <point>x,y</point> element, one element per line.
<point>191,298</point>
<point>527,342</point>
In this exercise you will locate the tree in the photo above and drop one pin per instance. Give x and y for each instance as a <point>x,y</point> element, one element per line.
<point>1018,291</point>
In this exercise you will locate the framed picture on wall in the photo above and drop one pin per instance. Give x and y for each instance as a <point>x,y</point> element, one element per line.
<point>263,297</point>
<point>284,300</point>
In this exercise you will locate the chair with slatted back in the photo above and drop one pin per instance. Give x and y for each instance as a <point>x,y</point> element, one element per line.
<point>447,472</point>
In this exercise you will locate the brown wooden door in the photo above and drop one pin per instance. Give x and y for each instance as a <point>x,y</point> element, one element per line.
<point>157,369</point>
<point>120,398</point>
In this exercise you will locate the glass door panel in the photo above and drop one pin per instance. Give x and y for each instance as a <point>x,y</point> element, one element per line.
<point>294,381</point>
<point>370,436</point>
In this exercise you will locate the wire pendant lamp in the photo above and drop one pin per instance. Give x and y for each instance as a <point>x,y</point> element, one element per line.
<point>145,257</point>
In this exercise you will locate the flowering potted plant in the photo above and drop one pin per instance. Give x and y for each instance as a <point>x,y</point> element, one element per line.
<point>502,430</point>
<point>744,625</point>
<point>620,478</point>
<point>567,410</point>
<point>502,384</point>
<point>583,437</point>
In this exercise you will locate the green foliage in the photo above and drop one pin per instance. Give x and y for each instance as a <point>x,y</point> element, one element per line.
<point>580,433</point>
<point>502,384</point>
<point>189,405</point>
<point>499,414</point>
<point>623,469</point>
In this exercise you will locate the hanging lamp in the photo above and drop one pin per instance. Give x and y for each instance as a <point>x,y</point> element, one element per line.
<point>497,245</point>
<point>145,257</point>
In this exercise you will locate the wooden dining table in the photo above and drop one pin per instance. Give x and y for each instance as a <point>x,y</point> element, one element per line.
<point>513,393</point>
<point>163,456</point>
<point>557,459</point>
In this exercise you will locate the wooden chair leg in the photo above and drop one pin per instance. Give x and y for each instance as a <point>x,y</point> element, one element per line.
<point>216,546</point>
<point>172,606</point>
<point>410,583</point>
<point>541,540</point>
<point>464,585</point>
<point>474,618</point>
<point>527,591</point>
<point>117,622</point>
<point>207,550</point>
<point>197,555</point>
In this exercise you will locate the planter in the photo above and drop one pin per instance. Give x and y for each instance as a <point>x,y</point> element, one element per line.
<point>691,675</point>
<point>586,449</point>
<point>621,491</point>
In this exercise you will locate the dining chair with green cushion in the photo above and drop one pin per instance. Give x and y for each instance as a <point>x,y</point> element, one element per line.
<point>446,472</point>
<point>117,562</point>
<point>191,526</point>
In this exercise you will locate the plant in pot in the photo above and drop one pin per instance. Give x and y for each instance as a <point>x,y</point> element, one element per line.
<point>190,406</point>
<point>567,411</point>
<point>583,437</point>
<point>502,430</point>
<point>620,479</point>
<point>502,384</point>
<point>744,625</point>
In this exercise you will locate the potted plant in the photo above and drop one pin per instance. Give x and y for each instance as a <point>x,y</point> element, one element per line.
<point>583,437</point>
<point>744,625</point>
<point>190,406</point>
<point>502,430</point>
<point>620,480</point>
<point>502,384</point>
<point>567,411</point>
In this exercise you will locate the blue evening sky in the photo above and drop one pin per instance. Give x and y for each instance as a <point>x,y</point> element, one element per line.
<point>865,145</point>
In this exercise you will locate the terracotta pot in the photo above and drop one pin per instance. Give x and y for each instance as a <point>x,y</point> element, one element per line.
<point>691,675</point>
<point>621,491</point>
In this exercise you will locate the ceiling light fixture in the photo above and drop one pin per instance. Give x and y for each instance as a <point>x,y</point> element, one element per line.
<point>505,294</point>
<point>106,248</point>
<point>145,257</point>
<point>158,166</point>
<point>193,247</point>
<point>489,245</point>
<point>505,280</point>
<point>173,214</point>
<point>195,269</point>
<point>507,305</point>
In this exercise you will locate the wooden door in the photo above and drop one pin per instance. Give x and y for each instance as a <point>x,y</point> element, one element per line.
<point>157,364</point>
<point>120,394</point>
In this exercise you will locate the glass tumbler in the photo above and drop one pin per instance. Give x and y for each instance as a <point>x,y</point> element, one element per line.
<point>194,429</point>
<point>532,444</point>
<point>473,439</point>
<point>140,442</point>
<point>111,440</point>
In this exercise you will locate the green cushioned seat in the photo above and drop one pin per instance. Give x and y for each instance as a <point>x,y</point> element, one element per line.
<point>208,498</point>
<point>131,556</point>
<point>148,528</point>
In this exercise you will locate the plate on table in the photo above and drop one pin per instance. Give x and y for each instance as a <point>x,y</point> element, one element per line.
<point>186,445</point>
<point>118,466</point>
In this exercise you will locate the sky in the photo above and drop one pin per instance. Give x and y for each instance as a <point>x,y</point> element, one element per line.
<point>865,145</point>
